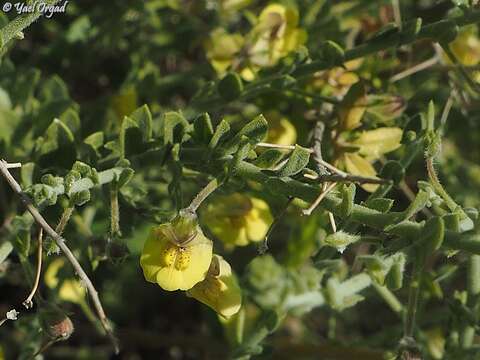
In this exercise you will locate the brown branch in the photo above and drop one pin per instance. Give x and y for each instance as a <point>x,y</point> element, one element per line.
<point>65,249</point>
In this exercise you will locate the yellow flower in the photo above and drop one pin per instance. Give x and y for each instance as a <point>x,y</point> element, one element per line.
<point>275,35</point>
<point>280,129</point>
<point>466,46</point>
<point>70,289</point>
<point>176,255</point>
<point>222,49</point>
<point>238,219</point>
<point>219,289</point>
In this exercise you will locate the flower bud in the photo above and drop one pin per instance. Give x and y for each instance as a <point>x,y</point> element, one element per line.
<point>340,240</point>
<point>185,225</point>
<point>117,251</point>
<point>56,324</point>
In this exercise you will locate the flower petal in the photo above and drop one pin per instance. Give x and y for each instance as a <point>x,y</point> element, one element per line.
<point>221,292</point>
<point>374,143</point>
<point>258,220</point>
<point>357,165</point>
<point>151,259</point>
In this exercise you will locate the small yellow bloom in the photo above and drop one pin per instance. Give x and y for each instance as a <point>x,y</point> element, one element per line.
<point>219,289</point>
<point>280,129</point>
<point>176,259</point>
<point>466,46</point>
<point>70,289</point>
<point>238,219</point>
<point>275,35</point>
<point>222,49</point>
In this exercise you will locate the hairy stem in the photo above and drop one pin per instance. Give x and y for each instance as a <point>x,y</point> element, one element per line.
<point>202,195</point>
<point>114,210</point>
<point>67,213</point>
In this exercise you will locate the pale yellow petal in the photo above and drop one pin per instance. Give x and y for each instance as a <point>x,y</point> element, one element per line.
<point>374,143</point>
<point>151,259</point>
<point>259,220</point>
<point>220,292</point>
<point>72,291</point>
<point>200,258</point>
<point>357,165</point>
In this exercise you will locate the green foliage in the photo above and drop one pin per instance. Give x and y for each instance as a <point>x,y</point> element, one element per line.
<point>121,112</point>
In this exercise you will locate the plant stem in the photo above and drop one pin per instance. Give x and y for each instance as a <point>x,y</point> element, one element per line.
<point>67,213</point>
<point>28,301</point>
<point>65,249</point>
<point>473,289</point>
<point>432,175</point>
<point>202,195</point>
<point>413,298</point>
<point>414,69</point>
<point>114,210</point>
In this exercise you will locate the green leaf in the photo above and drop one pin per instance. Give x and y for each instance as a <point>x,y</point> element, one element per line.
<point>380,204</point>
<point>125,176</point>
<point>221,130</point>
<point>348,197</point>
<point>255,131</point>
<point>203,128</point>
<point>143,118</point>
<point>421,200</point>
<point>174,127</point>
<point>5,250</point>
<point>340,240</point>
<point>26,174</point>
<point>433,234</point>
<point>94,142</point>
<point>53,89</point>
<point>269,158</point>
<point>242,153</point>
<point>230,87</point>
<point>394,278</point>
<point>296,162</point>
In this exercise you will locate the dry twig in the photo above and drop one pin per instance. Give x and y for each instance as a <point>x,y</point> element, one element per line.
<point>4,166</point>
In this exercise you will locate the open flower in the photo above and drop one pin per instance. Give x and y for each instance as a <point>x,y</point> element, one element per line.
<point>466,46</point>
<point>176,255</point>
<point>219,289</point>
<point>274,36</point>
<point>238,219</point>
